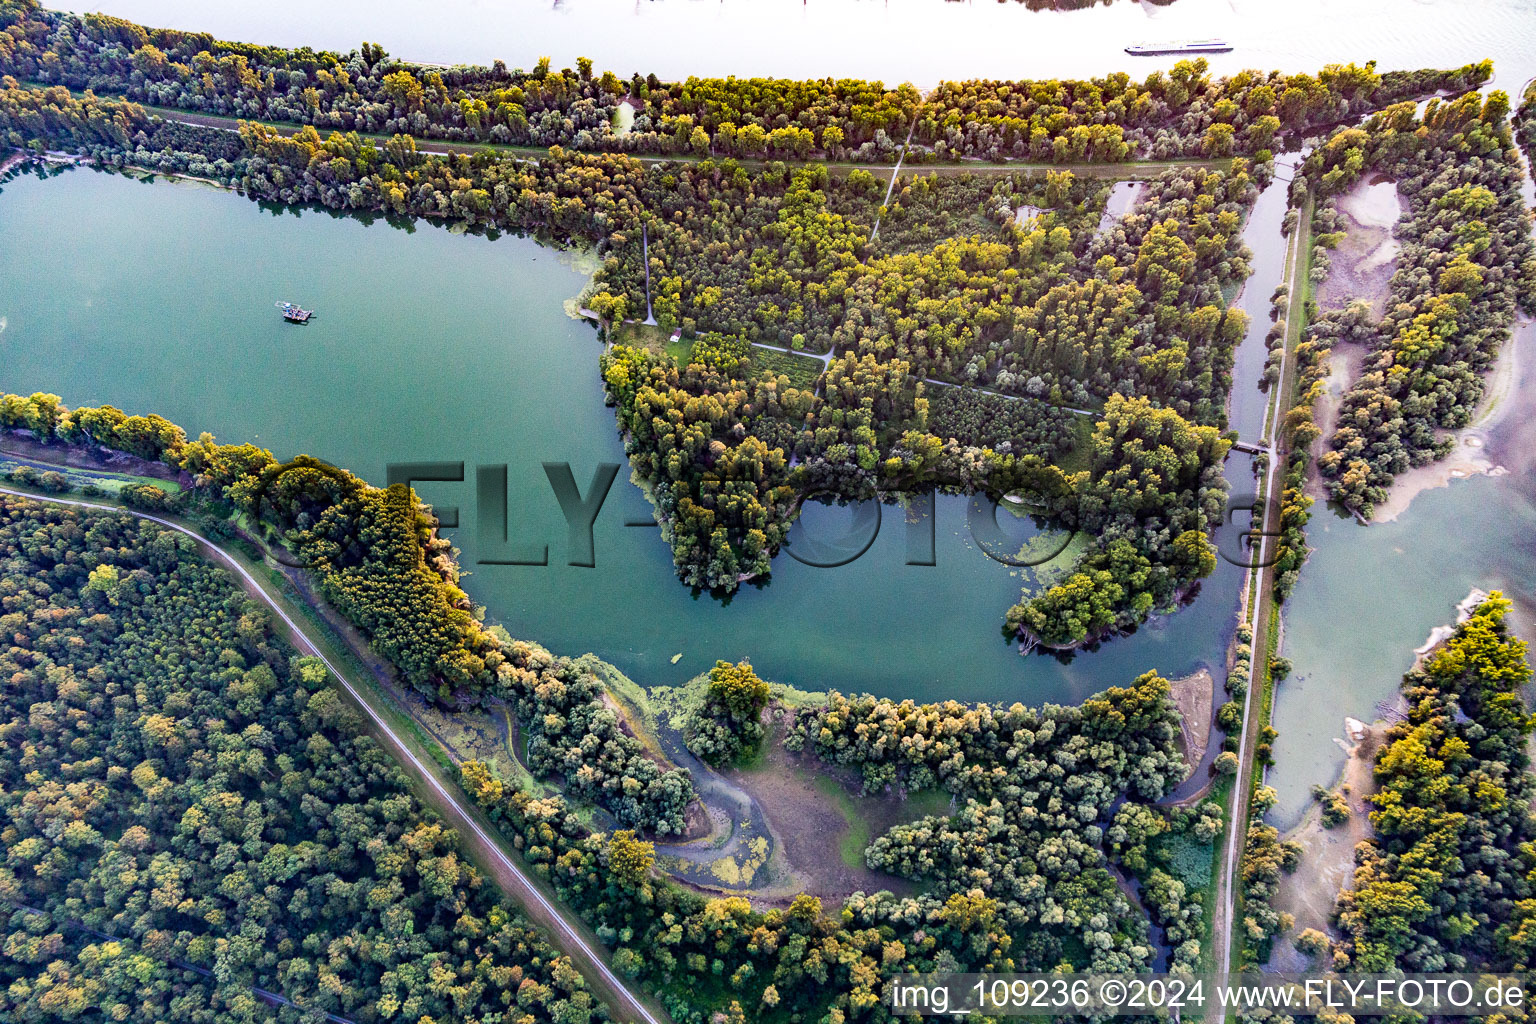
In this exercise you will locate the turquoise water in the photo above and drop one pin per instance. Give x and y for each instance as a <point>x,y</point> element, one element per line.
<point>434,346</point>
<point>1370,595</point>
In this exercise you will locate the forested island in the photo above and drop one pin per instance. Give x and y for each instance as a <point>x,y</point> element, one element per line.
<point>1455,788</point>
<point>1468,264</point>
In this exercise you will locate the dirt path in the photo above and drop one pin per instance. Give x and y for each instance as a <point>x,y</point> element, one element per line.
<point>571,937</point>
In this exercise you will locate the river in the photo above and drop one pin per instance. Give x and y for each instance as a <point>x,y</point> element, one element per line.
<point>921,41</point>
<point>435,346</point>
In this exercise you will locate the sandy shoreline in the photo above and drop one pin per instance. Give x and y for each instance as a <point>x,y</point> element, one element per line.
<point>1362,267</point>
<point>1328,855</point>
<point>1470,457</point>
<point>1194,696</point>
<point>1343,368</point>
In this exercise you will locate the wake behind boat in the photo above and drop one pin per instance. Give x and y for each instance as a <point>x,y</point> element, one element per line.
<point>1192,46</point>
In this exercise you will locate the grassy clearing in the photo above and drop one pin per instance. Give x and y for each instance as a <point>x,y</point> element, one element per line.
<point>638,335</point>
<point>1076,458</point>
<point>76,477</point>
<point>857,814</point>
<point>802,371</point>
<point>652,338</point>
<point>854,841</point>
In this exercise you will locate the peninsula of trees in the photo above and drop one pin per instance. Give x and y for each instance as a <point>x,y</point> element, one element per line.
<point>379,563</point>
<point>1455,790</point>
<point>1467,265</point>
<point>1127,326</point>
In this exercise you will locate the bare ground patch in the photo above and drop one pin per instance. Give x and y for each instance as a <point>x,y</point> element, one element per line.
<point>819,821</point>
<point>1361,266</point>
<point>1343,370</point>
<point>1194,696</point>
<point>92,457</point>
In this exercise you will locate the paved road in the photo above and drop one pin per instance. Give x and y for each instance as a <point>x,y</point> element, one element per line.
<point>1259,583</point>
<point>589,956</point>
<point>895,171</point>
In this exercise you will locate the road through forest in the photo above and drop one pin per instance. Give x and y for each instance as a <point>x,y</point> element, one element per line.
<point>569,938</point>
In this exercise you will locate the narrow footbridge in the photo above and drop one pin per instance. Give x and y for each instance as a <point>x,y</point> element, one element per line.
<point>1250,448</point>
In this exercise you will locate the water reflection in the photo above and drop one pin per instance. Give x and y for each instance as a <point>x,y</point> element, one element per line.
<point>435,347</point>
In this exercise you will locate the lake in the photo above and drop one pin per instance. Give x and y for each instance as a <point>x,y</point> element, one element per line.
<point>1370,595</point>
<point>454,348</point>
<point>434,346</point>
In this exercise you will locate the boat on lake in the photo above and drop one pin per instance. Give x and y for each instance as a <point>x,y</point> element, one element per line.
<point>1193,46</point>
<point>293,314</point>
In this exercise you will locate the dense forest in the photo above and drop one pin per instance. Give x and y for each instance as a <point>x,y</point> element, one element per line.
<point>364,90</point>
<point>708,956</point>
<point>715,451</point>
<point>1006,283</point>
<point>1047,310</point>
<point>377,558</point>
<point>980,419</point>
<point>1044,779</point>
<point>1046,313</point>
<point>1455,791</point>
<point>1037,787</point>
<point>1107,355</point>
<point>1181,113</point>
<point>1185,112</point>
<point>1467,264</point>
<point>174,778</point>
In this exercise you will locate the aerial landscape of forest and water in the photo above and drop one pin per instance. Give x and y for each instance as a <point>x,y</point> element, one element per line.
<point>789,512</point>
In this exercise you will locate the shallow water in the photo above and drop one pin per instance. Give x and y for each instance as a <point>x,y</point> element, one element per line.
<point>1370,595</point>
